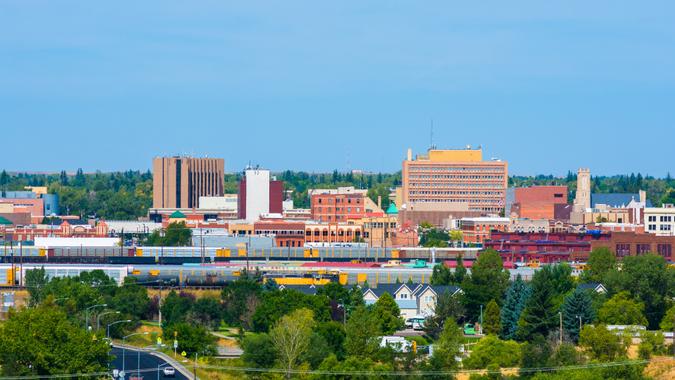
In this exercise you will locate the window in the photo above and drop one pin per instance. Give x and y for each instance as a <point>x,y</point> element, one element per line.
<point>642,248</point>
<point>623,249</point>
<point>652,227</point>
<point>665,227</point>
<point>652,218</point>
<point>664,250</point>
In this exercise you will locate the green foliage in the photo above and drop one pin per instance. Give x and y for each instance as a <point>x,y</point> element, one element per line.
<point>540,315</point>
<point>601,344</point>
<point>648,279</point>
<point>259,351</point>
<point>448,307</point>
<point>491,322</point>
<point>334,334</point>
<point>668,322</point>
<point>291,337</point>
<point>488,281</point>
<point>441,275</point>
<point>274,305</point>
<point>535,353</point>
<point>191,338</point>
<point>490,350</point>
<point>433,237</point>
<point>516,297</point>
<point>207,312</point>
<point>600,262</point>
<point>177,234</point>
<point>175,307</point>
<point>366,368</point>
<point>43,341</point>
<point>577,309</point>
<point>36,280</point>
<point>240,300</point>
<point>362,331</point>
<point>387,314</point>
<point>447,347</point>
<point>622,310</point>
<point>652,342</point>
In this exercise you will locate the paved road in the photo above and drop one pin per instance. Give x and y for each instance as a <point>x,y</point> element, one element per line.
<point>147,362</point>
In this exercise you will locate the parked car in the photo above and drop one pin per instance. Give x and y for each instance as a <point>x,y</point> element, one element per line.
<point>415,323</point>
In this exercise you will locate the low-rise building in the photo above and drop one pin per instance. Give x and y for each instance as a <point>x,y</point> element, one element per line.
<point>477,230</point>
<point>660,220</point>
<point>633,244</point>
<point>413,300</point>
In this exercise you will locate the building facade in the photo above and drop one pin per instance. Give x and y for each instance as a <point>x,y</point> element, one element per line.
<point>660,220</point>
<point>538,202</point>
<point>457,177</point>
<point>337,205</point>
<point>478,230</point>
<point>633,244</point>
<point>259,194</point>
<point>178,182</point>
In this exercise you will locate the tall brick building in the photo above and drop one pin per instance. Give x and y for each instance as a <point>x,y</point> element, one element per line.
<point>178,182</point>
<point>539,202</point>
<point>337,205</point>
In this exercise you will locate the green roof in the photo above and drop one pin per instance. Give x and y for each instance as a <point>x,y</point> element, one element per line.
<point>5,221</point>
<point>177,215</point>
<point>392,209</point>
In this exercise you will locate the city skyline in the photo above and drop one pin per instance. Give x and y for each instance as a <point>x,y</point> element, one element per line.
<point>548,88</point>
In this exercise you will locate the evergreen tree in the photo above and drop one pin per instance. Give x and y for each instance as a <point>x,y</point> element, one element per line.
<point>488,281</point>
<point>516,297</point>
<point>577,310</point>
<point>441,275</point>
<point>491,323</point>
<point>460,272</point>
<point>63,178</point>
<point>541,312</point>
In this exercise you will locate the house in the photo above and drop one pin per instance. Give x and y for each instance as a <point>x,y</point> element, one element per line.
<point>305,289</point>
<point>594,286</point>
<point>412,299</point>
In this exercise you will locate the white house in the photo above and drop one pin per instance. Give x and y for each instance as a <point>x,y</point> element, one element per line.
<point>413,300</point>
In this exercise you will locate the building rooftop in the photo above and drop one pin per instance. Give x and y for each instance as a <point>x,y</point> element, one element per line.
<point>615,200</point>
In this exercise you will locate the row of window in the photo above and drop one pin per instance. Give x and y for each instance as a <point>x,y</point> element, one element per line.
<point>496,177</point>
<point>332,233</point>
<point>338,200</point>
<point>417,169</point>
<point>337,209</point>
<point>436,192</point>
<point>624,249</point>
<point>662,227</point>
<point>378,225</point>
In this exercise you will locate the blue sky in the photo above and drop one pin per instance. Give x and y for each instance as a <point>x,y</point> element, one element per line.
<point>314,86</point>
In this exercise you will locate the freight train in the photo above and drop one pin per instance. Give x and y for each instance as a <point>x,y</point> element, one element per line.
<point>204,255</point>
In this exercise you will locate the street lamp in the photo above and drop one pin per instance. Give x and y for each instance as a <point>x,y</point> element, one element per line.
<point>98,318</point>
<point>107,329</point>
<point>481,319</point>
<point>124,353</point>
<point>86,311</point>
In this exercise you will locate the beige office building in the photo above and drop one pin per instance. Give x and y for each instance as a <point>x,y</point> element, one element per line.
<point>456,178</point>
<point>178,182</point>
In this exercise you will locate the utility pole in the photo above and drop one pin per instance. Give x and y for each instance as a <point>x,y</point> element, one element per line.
<point>194,368</point>
<point>561,329</point>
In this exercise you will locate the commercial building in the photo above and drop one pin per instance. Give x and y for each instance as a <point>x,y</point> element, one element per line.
<point>226,202</point>
<point>178,182</point>
<point>517,247</point>
<point>478,230</point>
<point>337,205</point>
<point>259,194</point>
<point>660,220</point>
<point>454,181</point>
<point>285,233</point>
<point>634,243</point>
<point>329,233</point>
<point>538,202</point>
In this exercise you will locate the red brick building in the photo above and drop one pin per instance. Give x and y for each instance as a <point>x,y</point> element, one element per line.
<point>539,202</point>
<point>332,233</point>
<point>545,247</point>
<point>478,230</point>
<point>633,243</point>
<point>338,207</point>
<point>286,234</point>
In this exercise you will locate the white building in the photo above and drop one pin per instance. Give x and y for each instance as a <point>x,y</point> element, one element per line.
<point>226,202</point>
<point>660,220</point>
<point>413,300</point>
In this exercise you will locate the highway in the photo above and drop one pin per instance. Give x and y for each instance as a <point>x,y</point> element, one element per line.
<point>148,362</point>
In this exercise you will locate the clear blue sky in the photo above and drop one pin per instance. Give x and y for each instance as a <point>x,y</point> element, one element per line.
<point>303,85</point>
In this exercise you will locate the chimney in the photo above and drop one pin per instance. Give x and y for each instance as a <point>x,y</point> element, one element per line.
<point>379,201</point>
<point>643,196</point>
<point>409,154</point>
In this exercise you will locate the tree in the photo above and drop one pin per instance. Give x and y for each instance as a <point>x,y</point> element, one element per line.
<point>441,275</point>
<point>42,341</point>
<point>460,272</point>
<point>206,312</point>
<point>601,344</point>
<point>668,322</point>
<point>334,334</point>
<point>488,281</point>
<point>36,279</point>
<point>541,312</point>
<point>259,351</point>
<point>491,323</point>
<point>176,307</point>
<point>191,338</point>
<point>535,353</point>
<point>577,309</point>
<point>622,310</point>
<point>448,306</point>
<point>490,350</point>
<point>600,262</point>
<point>240,300</point>
<point>276,304</point>
<point>648,279</point>
<point>447,347</point>
<point>361,332</point>
<point>291,337</point>
<point>652,342</point>
<point>516,297</point>
<point>387,313</point>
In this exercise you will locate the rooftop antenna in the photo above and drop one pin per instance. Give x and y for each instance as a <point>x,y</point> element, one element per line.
<point>431,137</point>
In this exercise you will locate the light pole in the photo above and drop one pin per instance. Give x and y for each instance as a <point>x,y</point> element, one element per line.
<point>560,314</point>
<point>98,318</point>
<point>124,352</point>
<point>481,319</point>
<point>86,311</point>
<point>579,316</point>
<point>107,329</point>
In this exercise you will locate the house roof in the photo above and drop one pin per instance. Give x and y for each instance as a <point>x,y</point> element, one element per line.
<point>391,210</point>
<point>615,200</point>
<point>305,289</point>
<point>592,286</point>
<point>385,288</point>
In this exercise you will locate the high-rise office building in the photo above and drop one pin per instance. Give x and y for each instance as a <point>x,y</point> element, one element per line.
<point>178,182</point>
<point>259,193</point>
<point>455,179</point>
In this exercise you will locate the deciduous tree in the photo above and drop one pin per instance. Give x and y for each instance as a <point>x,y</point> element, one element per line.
<point>291,338</point>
